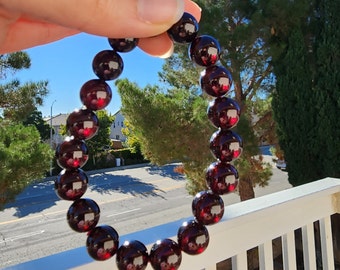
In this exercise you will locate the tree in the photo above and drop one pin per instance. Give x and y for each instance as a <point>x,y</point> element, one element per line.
<point>36,119</point>
<point>18,100</point>
<point>23,159</point>
<point>305,51</point>
<point>243,53</point>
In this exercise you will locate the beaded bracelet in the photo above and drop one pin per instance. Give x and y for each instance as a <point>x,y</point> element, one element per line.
<point>208,207</point>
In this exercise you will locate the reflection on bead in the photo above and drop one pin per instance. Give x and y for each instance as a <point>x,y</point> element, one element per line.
<point>224,112</point>
<point>71,184</point>
<point>107,65</point>
<point>193,237</point>
<point>222,177</point>
<point>226,145</point>
<point>132,255</point>
<point>102,242</point>
<point>185,30</point>
<point>207,207</point>
<point>216,81</point>
<point>95,94</point>
<point>165,254</point>
<point>205,51</point>
<point>83,215</point>
<point>123,44</point>
<point>83,124</point>
<point>72,153</point>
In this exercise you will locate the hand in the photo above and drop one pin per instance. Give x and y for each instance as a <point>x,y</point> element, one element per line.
<point>28,23</point>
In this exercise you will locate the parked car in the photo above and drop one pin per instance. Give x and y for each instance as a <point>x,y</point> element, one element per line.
<point>281,164</point>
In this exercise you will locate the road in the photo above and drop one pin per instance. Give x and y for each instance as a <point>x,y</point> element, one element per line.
<point>130,199</point>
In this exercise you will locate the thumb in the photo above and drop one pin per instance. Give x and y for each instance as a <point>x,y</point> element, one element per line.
<point>111,18</point>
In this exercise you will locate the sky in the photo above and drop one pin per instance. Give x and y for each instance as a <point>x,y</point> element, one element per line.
<point>67,65</point>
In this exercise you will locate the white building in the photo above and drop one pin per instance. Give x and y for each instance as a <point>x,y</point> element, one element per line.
<point>116,127</point>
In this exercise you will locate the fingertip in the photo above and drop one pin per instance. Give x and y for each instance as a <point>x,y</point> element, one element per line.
<point>158,46</point>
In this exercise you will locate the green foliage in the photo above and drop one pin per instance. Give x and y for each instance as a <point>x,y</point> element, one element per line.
<point>166,136</point>
<point>23,159</point>
<point>36,119</point>
<point>102,139</point>
<point>13,62</point>
<point>306,103</point>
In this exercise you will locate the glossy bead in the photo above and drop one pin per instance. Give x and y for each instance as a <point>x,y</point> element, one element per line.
<point>83,215</point>
<point>95,94</point>
<point>165,254</point>
<point>222,178</point>
<point>185,30</point>
<point>102,242</point>
<point>132,255</point>
<point>83,124</point>
<point>215,81</point>
<point>71,184</point>
<point>205,51</point>
<point>193,237</point>
<point>123,44</point>
<point>107,65</point>
<point>72,153</point>
<point>207,207</point>
<point>226,145</point>
<point>224,112</point>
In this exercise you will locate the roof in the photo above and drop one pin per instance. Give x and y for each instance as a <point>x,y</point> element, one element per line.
<point>57,120</point>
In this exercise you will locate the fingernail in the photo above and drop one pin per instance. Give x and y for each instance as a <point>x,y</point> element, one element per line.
<point>168,53</point>
<point>160,11</point>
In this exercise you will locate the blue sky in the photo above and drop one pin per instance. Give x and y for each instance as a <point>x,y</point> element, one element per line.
<point>67,65</point>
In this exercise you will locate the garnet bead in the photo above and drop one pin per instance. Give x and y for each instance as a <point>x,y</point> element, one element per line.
<point>132,255</point>
<point>102,242</point>
<point>193,237</point>
<point>72,153</point>
<point>123,44</point>
<point>165,254</point>
<point>95,94</point>
<point>83,124</point>
<point>71,184</point>
<point>222,177</point>
<point>107,65</point>
<point>226,145</point>
<point>224,112</point>
<point>207,207</point>
<point>83,215</point>
<point>185,30</point>
<point>205,51</point>
<point>216,81</point>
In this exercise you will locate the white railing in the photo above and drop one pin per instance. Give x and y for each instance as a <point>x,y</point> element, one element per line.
<point>255,223</point>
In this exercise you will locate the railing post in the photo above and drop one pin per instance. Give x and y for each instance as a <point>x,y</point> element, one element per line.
<point>326,243</point>
<point>266,256</point>
<point>288,251</point>
<point>308,246</point>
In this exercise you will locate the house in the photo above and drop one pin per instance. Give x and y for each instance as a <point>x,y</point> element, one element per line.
<point>56,122</point>
<point>116,127</point>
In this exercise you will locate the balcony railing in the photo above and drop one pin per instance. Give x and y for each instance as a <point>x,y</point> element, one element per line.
<point>255,223</point>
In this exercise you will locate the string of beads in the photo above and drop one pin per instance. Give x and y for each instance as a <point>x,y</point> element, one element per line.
<point>207,207</point>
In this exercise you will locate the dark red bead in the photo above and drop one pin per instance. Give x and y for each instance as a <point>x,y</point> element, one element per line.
<point>222,178</point>
<point>216,81</point>
<point>71,184</point>
<point>193,237</point>
<point>205,51</point>
<point>83,215</point>
<point>95,94</point>
<point>226,145</point>
<point>207,207</point>
<point>224,112</point>
<point>132,255</point>
<point>107,65</point>
<point>102,242</point>
<point>83,124</point>
<point>185,30</point>
<point>165,254</point>
<point>123,44</point>
<point>72,153</point>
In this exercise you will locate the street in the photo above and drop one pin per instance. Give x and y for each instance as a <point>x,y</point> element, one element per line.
<point>130,199</point>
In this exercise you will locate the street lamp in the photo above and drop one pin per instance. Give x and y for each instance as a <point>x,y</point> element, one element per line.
<point>51,135</point>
